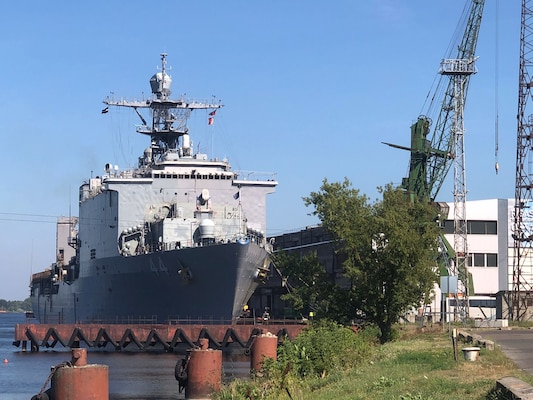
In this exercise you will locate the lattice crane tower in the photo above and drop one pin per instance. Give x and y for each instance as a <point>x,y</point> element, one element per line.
<point>521,297</point>
<point>459,70</point>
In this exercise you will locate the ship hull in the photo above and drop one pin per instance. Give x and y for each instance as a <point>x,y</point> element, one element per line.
<point>206,283</point>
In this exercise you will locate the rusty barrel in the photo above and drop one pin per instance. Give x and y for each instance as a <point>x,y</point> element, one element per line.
<point>263,346</point>
<point>204,372</point>
<point>81,381</point>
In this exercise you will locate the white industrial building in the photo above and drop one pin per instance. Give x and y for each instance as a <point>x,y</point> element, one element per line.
<point>489,243</point>
<point>490,249</point>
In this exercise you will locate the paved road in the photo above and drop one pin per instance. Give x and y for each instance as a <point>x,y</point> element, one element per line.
<point>517,344</point>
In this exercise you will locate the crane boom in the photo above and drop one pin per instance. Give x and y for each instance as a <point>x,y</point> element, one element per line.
<point>432,145</point>
<point>459,68</point>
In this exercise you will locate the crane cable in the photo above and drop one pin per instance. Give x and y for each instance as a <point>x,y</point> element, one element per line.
<point>496,100</point>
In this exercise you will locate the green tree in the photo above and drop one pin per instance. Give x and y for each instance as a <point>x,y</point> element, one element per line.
<point>390,248</point>
<point>15,305</point>
<point>310,287</point>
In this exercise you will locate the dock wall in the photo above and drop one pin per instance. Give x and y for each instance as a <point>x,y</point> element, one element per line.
<point>118,337</point>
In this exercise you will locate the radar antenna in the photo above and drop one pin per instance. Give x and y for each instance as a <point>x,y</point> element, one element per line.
<point>169,117</point>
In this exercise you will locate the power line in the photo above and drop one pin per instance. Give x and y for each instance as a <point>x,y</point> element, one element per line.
<point>29,215</point>
<point>26,220</point>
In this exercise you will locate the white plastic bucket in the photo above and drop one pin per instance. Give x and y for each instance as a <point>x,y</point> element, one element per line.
<point>471,353</point>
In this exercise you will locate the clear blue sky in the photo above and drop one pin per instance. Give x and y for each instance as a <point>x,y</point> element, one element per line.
<point>310,88</point>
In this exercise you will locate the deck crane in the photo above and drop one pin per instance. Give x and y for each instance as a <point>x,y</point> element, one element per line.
<point>521,296</point>
<point>435,148</point>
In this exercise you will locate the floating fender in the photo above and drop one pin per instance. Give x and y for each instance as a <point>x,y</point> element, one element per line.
<point>180,374</point>
<point>179,371</point>
<point>181,377</point>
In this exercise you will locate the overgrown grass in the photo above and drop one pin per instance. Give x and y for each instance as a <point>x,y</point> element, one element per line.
<point>418,365</point>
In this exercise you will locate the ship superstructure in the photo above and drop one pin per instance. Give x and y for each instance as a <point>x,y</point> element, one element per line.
<point>179,236</point>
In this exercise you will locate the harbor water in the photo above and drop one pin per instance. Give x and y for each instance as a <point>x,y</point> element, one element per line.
<point>132,375</point>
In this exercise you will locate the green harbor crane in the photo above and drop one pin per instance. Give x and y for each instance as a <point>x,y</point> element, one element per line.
<point>436,146</point>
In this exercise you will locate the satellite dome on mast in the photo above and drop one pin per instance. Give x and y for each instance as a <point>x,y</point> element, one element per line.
<point>160,82</point>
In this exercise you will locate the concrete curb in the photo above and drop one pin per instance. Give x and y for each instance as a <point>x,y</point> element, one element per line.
<point>476,340</point>
<point>514,388</point>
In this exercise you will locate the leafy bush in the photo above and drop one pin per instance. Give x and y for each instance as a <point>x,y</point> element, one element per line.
<point>323,349</point>
<point>321,353</point>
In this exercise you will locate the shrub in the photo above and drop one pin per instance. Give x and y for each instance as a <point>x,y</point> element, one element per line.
<point>321,353</point>
<point>322,349</point>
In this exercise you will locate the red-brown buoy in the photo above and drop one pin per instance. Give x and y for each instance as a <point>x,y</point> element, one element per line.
<point>263,346</point>
<point>81,381</point>
<point>204,372</point>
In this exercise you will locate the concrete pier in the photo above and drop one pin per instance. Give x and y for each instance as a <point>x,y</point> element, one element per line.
<point>118,337</point>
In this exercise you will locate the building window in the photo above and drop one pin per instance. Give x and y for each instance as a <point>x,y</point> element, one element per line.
<point>474,227</point>
<point>448,227</point>
<point>492,260</point>
<point>479,260</point>
<point>492,227</point>
<point>482,227</point>
<point>483,260</point>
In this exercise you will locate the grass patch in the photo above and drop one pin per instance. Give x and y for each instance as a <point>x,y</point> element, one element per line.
<point>418,366</point>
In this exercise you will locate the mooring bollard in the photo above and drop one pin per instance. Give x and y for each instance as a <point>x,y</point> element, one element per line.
<point>78,380</point>
<point>264,346</point>
<point>203,368</point>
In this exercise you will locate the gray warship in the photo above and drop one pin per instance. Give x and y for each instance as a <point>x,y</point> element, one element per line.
<point>180,237</point>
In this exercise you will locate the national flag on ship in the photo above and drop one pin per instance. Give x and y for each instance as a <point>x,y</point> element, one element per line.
<point>237,195</point>
<point>211,119</point>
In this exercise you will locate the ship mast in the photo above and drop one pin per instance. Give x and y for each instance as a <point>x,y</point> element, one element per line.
<point>169,117</point>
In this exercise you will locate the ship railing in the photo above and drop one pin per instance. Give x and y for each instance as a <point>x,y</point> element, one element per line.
<point>178,320</point>
<point>262,320</point>
<point>259,320</point>
<point>124,320</point>
<point>254,237</point>
<point>182,102</point>
<point>255,176</point>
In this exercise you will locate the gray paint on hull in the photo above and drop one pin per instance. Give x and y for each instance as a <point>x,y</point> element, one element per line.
<point>211,282</point>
